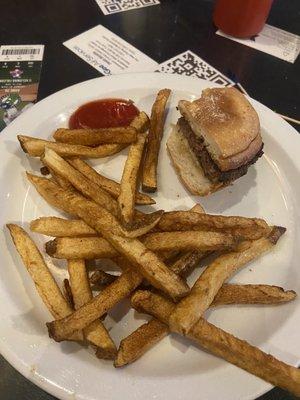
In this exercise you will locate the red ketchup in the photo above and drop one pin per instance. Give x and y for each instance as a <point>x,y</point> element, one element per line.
<point>241,18</point>
<point>105,113</point>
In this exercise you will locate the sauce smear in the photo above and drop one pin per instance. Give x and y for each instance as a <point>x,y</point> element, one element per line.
<point>105,113</point>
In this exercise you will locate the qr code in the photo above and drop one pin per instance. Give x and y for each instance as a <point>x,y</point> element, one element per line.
<point>190,64</point>
<point>115,6</point>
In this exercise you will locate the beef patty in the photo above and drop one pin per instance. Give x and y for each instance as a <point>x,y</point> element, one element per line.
<point>210,168</point>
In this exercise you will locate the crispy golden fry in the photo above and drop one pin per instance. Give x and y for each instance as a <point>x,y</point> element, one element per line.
<point>41,276</point>
<point>94,137</point>
<point>79,181</point>
<point>146,262</point>
<point>62,182</point>
<point>100,279</point>
<point>141,340</point>
<point>91,248</point>
<point>192,307</point>
<point>112,187</point>
<point>225,345</point>
<point>68,293</point>
<point>247,228</point>
<point>77,248</point>
<point>60,227</point>
<point>70,202</point>
<point>36,147</point>
<point>37,268</point>
<point>187,262</point>
<point>93,191</point>
<point>128,185</point>
<point>150,266</point>
<point>147,335</point>
<point>189,240</point>
<point>145,221</point>
<point>252,294</point>
<point>141,122</point>
<point>95,333</point>
<point>49,190</point>
<point>61,329</point>
<point>169,256</point>
<point>157,120</point>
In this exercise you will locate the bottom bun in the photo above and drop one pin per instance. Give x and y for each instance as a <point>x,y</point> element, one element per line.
<point>187,165</point>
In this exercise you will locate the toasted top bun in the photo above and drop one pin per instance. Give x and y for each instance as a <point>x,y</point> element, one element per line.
<point>187,165</point>
<point>228,124</point>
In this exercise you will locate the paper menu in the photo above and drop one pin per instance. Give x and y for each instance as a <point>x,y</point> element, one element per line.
<point>272,40</point>
<point>108,53</point>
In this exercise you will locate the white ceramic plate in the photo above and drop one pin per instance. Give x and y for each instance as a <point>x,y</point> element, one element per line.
<point>175,369</point>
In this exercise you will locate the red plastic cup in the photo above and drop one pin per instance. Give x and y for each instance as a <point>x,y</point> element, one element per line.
<point>241,18</point>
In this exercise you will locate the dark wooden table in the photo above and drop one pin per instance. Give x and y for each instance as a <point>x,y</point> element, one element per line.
<point>161,32</point>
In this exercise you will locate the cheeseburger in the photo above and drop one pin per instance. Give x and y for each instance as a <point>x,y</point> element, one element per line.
<point>215,141</point>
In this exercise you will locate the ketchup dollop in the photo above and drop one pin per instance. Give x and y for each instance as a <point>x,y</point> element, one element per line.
<point>104,113</point>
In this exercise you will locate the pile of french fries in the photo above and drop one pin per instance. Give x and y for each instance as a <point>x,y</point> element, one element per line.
<point>155,252</point>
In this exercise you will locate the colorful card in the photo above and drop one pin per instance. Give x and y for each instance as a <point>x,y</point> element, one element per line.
<point>189,64</point>
<point>274,41</point>
<point>20,68</point>
<point>108,53</point>
<point>115,6</point>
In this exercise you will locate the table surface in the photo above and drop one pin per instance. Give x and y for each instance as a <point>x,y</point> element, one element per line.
<point>161,32</point>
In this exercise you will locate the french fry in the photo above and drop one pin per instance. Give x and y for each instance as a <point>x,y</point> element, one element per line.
<point>89,248</point>
<point>225,345</point>
<point>145,262</point>
<point>252,294</point>
<point>141,122</point>
<point>94,137</point>
<point>187,262</point>
<point>95,333</point>
<point>189,240</point>
<point>93,191</point>
<point>36,148</point>
<point>68,292</point>
<point>79,181</point>
<point>95,247</point>
<point>70,202</point>
<point>100,279</point>
<point>192,307</point>
<point>149,178</point>
<point>128,185</point>
<point>141,340</point>
<point>60,227</point>
<point>44,282</point>
<point>150,266</point>
<point>49,190</point>
<point>112,187</point>
<point>147,335</point>
<point>62,182</point>
<point>96,307</point>
<point>78,248</point>
<point>247,228</point>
